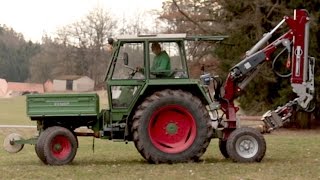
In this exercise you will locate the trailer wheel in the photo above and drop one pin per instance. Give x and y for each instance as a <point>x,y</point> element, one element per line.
<point>39,146</point>
<point>246,145</point>
<point>57,146</point>
<point>9,143</point>
<point>223,148</point>
<point>171,126</point>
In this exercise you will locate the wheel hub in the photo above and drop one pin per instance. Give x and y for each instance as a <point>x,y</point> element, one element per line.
<point>57,147</point>
<point>247,146</point>
<point>171,128</point>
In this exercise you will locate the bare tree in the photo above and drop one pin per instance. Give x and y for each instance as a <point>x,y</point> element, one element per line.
<point>53,60</point>
<point>88,37</point>
<point>142,22</point>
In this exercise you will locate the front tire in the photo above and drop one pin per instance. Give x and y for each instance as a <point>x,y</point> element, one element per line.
<point>223,148</point>
<point>246,145</point>
<point>171,126</point>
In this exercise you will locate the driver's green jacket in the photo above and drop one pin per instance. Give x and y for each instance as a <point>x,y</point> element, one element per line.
<point>161,65</point>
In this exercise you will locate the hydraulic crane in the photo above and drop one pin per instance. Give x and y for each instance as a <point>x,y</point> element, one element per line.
<point>296,41</point>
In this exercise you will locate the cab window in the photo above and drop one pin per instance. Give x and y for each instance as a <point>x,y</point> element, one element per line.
<point>165,60</point>
<point>133,53</point>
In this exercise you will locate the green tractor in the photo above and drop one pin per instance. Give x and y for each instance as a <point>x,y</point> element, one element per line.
<point>169,117</point>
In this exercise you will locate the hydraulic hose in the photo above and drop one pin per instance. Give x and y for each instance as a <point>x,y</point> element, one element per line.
<point>274,61</point>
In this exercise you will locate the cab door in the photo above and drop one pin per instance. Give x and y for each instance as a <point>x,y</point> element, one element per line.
<point>126,83</point>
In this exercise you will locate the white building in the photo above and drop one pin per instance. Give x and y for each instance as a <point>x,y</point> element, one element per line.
<point>73,83</point>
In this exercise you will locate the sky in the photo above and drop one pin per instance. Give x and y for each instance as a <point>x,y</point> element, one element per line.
<point>33,18</point>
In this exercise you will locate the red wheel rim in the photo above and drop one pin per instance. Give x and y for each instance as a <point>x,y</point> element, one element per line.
<point>172,129</point>
<point>60,147</point>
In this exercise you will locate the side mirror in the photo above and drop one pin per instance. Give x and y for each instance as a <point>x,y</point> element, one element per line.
<point>125,58</point>
<point>202,68</point>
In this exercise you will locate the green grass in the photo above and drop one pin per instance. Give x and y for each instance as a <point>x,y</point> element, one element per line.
<point>13,111</point>
<point>290,155</point>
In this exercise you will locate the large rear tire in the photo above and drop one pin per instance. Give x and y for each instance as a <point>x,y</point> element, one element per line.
<point>246,145</point>
<point>171,126</point>
<point>56,146</point>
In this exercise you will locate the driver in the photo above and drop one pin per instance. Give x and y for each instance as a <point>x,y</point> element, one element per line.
<point>161,66</point>
<point>161,62</point>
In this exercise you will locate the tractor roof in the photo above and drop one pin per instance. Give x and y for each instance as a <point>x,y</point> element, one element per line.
<point>169,37</point>
<point>156,37</point>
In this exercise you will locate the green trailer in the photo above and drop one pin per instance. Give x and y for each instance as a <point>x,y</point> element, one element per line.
<point>60,105</point>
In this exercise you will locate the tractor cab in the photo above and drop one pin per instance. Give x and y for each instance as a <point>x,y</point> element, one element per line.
<point>133,64</point>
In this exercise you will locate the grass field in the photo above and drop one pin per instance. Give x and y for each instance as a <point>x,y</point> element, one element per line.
<point>13,111</point>
<point>290,155</point>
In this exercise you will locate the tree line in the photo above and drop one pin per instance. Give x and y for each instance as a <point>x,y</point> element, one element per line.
<point>78,48</point>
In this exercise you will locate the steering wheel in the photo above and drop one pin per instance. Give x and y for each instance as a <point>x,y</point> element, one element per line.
<point>133,71</point>
<point>129,67</point>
